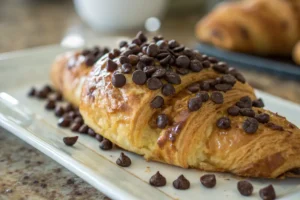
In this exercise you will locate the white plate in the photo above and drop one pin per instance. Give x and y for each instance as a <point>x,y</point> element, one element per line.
<point>27,119</point>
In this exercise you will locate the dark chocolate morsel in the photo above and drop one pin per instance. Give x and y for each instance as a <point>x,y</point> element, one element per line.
<point>64,122</point>
<point>258,103</point>
<point>123,160</point>
<point>250,126</point>
<point>203,95</point>
<point>245,102</point>
<point>83,129</point>
<point>162,121</point>
<point>262,118</point>
<point>50,105</point>
<point>233,111</point>
<point>224,123</point>
<point>181,183</point>
<point>118,80</point>
<point>208,180</point>
<point>217,97</point>
<point>32,92</point>
<point>139,77</point>
<point>154,83</point>
<point>194,104</point>
<point>274,126</point>
<point>168,90</point>
<point>173,78</point>
<point>157,180</point>
<point>267,193</point>
<point>106,144</point>
<point>70,141</point>
<point>245,188</point>
<point>247,112</point>
<point>157,102</point>
<point>111,65</point>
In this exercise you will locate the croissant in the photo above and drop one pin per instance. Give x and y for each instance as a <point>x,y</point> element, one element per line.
<point>260,27</point>
<point>174,105</point>
<point>296,53</point>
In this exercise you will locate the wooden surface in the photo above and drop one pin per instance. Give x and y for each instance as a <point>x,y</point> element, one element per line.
<point>31,23</point>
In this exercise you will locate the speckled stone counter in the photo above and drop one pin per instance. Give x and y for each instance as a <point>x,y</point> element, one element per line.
<point>26,173</point>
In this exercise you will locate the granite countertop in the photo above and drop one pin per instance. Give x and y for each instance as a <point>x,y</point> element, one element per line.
<point>24,171</point>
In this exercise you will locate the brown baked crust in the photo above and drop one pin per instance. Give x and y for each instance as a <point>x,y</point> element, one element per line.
<point>253,26</point>
<point>68,73</point>
<point>124,116</point>
<point>296,53</point>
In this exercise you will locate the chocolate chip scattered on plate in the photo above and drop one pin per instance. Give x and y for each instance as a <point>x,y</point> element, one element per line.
<point>267,193</point>
<point>181,183</point>
<point>70,141</point>
<point>158,180</point>
<point>208,180</point>
<point>106,144</point>
<point>123,160</point>
<point>245,188</point>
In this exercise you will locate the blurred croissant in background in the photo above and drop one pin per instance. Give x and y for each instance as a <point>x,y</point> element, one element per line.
<point>260,27</point>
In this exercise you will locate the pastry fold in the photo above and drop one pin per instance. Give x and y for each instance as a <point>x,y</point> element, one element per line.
<point>191,139</point>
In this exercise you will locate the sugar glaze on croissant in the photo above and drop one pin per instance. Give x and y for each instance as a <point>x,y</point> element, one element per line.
<point>174,105</point>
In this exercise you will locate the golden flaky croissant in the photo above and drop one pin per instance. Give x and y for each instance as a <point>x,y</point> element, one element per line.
<point>296,53</point>
<point>171,104</point>
<point>261,27</point>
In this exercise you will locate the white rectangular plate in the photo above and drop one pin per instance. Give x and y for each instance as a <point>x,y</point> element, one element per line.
<point>27,119</point>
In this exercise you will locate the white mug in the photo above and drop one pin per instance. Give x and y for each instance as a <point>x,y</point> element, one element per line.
<point>114,15</point>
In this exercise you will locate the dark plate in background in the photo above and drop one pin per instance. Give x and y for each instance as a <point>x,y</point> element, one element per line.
<point>282,67</point>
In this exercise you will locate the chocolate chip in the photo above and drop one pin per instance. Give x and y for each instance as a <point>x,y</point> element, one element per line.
<point>214,60</point>
<point>152,50</point>
<point>85,52</point>
<point>90,60</point>
<point>149,70</point>
<point>196,66</point>
<point>139,77</point>
<point>205,85</point>
<point>83,129</point>
<point>267,193</point>
<point>217,97</point>
<point>194,88</point>
<point>118,80</point>
<point>262,118</point>
<point>162,55</point>
<point>223,87</point>
<point>140,66</point>
<point>194,104</point>
<point>206,64</point>
<point>183,61</point>
<point>70,141</point>
<point>224,123</point>
<point>58,96</point>
<point>154,83</point>
<point>208,180</point>
<point>136,41</point>
<point>182,71</point>
<point>47,89</point>
<point>181,183</point>
<point>162,121</point>
<point>220,67</point>
<point>116,52</point>
<point>168,90</point>
<point>188,52</point>
<point>123,160</point>
<point>203,95</point>
<point>140,35</point>
<point>245,188</point>
<point>274,126</point>
<point>41,94</point>
<point>258,103</point>
<point>233,111</point>
<point>99,137</point>
<point>158,37</point>
<point>126,68</point>
<point>91,132</point>
<point>106,144</point>
<point>157,180</point>
<point>78,120</point>
<point>50,105</point>
<point>75,126</point>
<point>133,59</point>
<point>173,44</point>
<point>245,102</point>
<point>160,72</point>
<point>123,44</point>
<point>111,56</point>
<point>162,44</point>
<point>59,111</point>
<point>146,60</point>
<point>228,79</point>
<point>124,59</point>
<point>69,107</point>
<point>111,65</point>
<point>250,125</point>
<point>32,92</point>
<point>173,78</point>
<point>165,61</point>
<point>157,102</point>
<point>247,112</point>
<point>64,122</point>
